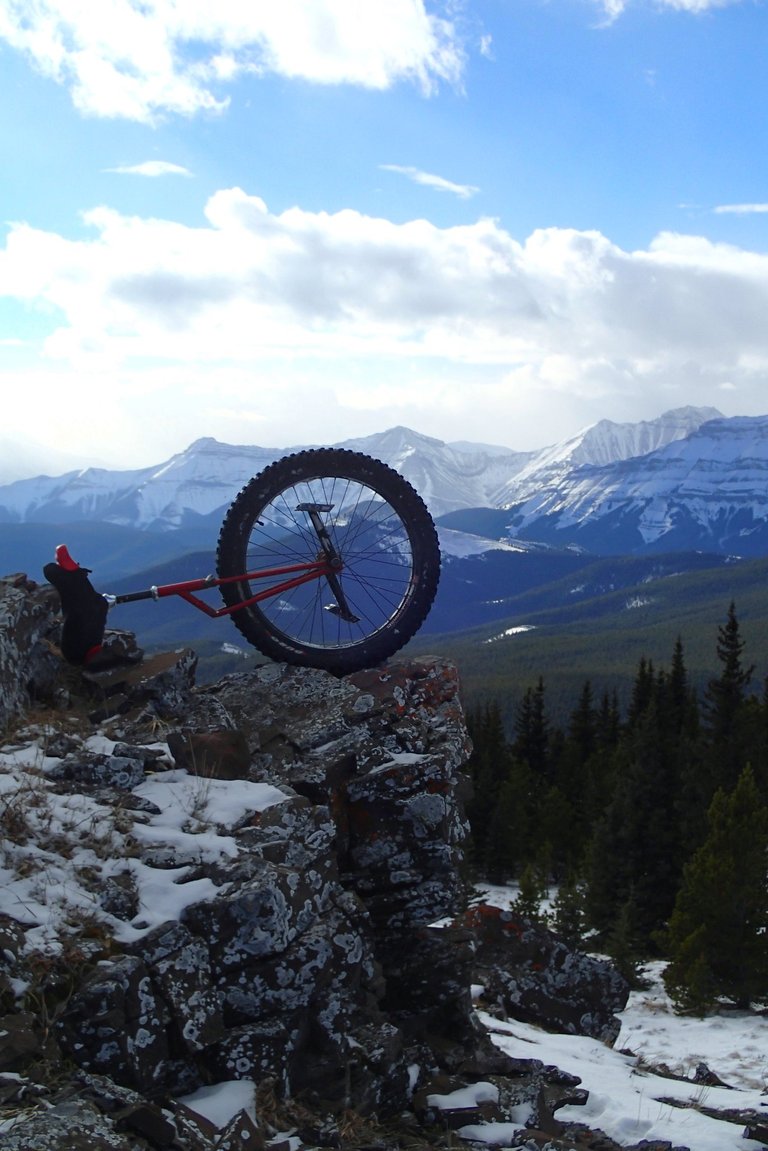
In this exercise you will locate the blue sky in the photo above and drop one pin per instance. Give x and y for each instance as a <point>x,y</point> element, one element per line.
<point>496,220</point>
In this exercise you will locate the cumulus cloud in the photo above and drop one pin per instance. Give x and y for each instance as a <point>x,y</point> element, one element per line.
<point>137,59</point>
<point>561,310</point>
<point>463,191</point>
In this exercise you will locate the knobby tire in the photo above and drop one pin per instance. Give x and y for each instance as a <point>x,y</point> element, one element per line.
<point>380,528</point>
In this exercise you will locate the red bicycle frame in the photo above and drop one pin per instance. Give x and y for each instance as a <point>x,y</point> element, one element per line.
<point>187,588</point>
<point>84,609</point>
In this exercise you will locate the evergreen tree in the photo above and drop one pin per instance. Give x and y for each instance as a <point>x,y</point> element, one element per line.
<point>506,841</point>
<point>568,919</point>
<point>622,944</point>
<point>724,708</point>
<point>636,855</point>
<point>488,767</point>
<point>531,892</point>
<point>571,774</point>
<point>502,812</point>
<point>582,731</point>
<point>718,932</point>
<point>609,721</point>
<point>680,697</point>
<point>554,823</point>
<point>642,692</point>
<point>531,732</point>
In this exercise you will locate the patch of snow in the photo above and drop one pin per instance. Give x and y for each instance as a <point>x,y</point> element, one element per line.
<point>220,1102</point>
<point>511,631</point>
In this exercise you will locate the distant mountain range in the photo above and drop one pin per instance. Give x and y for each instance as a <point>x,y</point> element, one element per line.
<point>622,522</point>
<point>689,479</point>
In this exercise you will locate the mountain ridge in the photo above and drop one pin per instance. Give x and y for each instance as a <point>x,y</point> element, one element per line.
<point>197,484</point>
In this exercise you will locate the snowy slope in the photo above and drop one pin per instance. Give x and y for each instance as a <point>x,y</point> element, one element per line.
<point>602,444</point>
<point>194,483</point>
<point>203,479</point>
<point>689,480</point>
<point>709,490</point>
<point>447,478</point>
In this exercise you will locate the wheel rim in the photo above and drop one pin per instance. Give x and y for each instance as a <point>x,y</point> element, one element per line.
<point>376,552</point>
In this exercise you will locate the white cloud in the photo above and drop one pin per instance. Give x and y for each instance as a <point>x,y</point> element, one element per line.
<point>697,5</point>
<point>151,168</point>
<point>741,209</point>
<point>614,8</point>
<point>137,59</point>
<point>306,317</point>
<point>463,191</point>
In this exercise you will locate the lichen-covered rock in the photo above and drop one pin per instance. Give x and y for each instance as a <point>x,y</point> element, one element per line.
<point>116,1025</point>
<point>160,685</point>
<point>28,667</point>
<point>530,974</point>
<point>319,920</point>
<point>299,952</point>
<point>71,1125</point>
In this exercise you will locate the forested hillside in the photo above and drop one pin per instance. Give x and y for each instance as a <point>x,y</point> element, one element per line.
<point>654,824</point>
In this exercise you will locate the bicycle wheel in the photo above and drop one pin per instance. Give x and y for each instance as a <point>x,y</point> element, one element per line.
<point>377,526</point>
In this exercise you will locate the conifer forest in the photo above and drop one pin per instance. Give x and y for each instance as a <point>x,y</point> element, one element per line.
<point>652,826</point>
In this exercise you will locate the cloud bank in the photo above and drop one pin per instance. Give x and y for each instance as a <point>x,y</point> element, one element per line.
<point>138,60</point>
<point>397,319</point>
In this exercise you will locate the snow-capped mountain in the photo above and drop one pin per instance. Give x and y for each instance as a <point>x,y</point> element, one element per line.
<point>203,480</point>
<point>603,443</point>
<point>690,479</point>
<point>707,491</point>
<point>194,483</point>
<point>446,477</point>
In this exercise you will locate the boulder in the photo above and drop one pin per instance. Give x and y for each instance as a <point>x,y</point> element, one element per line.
<point>528,973</point>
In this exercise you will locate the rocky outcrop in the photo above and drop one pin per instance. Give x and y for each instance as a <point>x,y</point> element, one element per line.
<point>285,972</point>
<point>528,973</point>
<point>269,891</point>
<point>28,667</point>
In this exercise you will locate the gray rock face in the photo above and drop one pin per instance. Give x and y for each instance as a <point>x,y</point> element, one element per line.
<point>530,974</point>
<point>285,972</point>
<point>28,668</point>
<point>310,966</point>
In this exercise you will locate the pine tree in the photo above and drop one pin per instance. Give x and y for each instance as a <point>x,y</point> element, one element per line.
<point>504,843</point>
<point>532,891</point>
<point>582,732</point>
<point>634,857</point>
<point>642,692</point>
<point>489,768</point>
<point>680,697</point>
<point>554,822</point>
<point>608,720</point>
<point>568,919</point>
<point>718,932</point>
<point>531,731</point>
<point>724,708</point>
<point>622,944</point>
<point>571,773</point>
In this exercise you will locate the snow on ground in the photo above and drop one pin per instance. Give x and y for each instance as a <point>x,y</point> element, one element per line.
<point>626,1099</point>
<point>223,1101</point>
<point>510,631</point>
<point>463,544</point>
<point>61,837</point>
<point>59,848</point>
